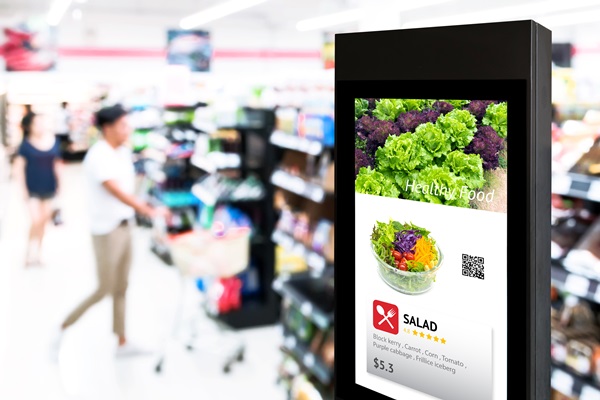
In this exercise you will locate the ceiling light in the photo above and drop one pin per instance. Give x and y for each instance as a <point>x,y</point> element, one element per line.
<point>356,14</point>
<point>521,11</point>
<point>216,12</point>
<point>330,20</point>
<point>57,10</point>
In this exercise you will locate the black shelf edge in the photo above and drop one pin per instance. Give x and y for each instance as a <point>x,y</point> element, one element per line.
<point>570,383</point>
<point>293,142</point>
<point>299,186</point>
<point>576,185</point>
<point>314,260</point>
<point>308,307</point>
<point>308,359</point>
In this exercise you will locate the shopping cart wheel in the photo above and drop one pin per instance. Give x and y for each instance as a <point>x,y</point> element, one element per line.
<point>240,356</point>
<point>227,368</point>
<point>158,367</point>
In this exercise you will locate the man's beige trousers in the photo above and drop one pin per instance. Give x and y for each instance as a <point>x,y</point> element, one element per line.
<point>113,261</point>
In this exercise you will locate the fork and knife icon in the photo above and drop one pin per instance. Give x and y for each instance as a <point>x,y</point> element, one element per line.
<point>386,317</point>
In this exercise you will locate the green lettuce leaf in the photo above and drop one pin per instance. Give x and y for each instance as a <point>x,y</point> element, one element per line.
<point>467,166</point>
<point>383,238</point>
<point>433,139</point>
<point>458,126</point>
<point>416,104</point>
<point>388,109</point>
<point>370,181</point>
<point>361,106</point>
<point>466,118</point>
<point>496,117</point>
<point>402,153</point>
<point>457,103</point>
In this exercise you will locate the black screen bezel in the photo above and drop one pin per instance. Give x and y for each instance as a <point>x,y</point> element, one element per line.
<point>514,91</point>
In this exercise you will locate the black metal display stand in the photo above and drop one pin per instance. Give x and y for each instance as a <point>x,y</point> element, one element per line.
<point>185,173</point>
<point>431,304</point>
<point>256,159</point>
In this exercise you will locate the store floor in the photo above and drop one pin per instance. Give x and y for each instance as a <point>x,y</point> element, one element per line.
<point>34,301</point>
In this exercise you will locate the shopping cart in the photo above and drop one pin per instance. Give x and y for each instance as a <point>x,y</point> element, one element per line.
<point>208,255</point>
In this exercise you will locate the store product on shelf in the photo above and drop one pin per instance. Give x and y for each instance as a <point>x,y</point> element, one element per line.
<point>589,162</point>
<point>576,314</point>
<point>570,221</point>
<point>318,127</point>
<point>580,354</point>
<point>584,257</point>
<point>321,235</point>
<point>288,262</point>
<point>570,142</point>
<point>286,120</point>
<point>328,349</point>
<point>296,227</point>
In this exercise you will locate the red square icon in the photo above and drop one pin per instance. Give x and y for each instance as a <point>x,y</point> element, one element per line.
<point>385,317</point>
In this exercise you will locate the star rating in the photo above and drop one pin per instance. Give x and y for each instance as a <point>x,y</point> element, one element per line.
<point>427,336</point>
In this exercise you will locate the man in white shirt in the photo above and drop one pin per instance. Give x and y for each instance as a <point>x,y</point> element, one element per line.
<point>110,177</point>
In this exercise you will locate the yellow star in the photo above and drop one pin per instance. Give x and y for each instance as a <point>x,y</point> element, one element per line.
<point>415,333</point>
<point>443,341</point>
<point>422,334</point>
<point>428,336</point>
<point>435,338</point>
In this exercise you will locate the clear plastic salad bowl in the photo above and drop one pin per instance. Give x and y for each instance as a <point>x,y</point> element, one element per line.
<point>405,281</point>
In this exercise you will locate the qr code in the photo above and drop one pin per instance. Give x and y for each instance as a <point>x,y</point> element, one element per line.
<point>472,266</point>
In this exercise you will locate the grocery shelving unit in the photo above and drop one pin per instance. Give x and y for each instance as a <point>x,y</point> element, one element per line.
<point>304,190</point>
<point>209,179</point>
<point>254,160</point>
<point>571,277</point>
<point>312,299</point>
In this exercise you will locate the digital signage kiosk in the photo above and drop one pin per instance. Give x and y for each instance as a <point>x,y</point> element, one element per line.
<point>442,273</point>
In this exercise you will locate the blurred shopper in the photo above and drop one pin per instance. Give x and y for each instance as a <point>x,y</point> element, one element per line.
<point>63,126</point>
<point>109,172</point>
<point>38,169</point>
<point>27,109</point>
<point>62,131</point>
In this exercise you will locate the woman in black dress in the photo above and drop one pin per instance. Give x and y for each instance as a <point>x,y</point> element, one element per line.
<point>38,165</point>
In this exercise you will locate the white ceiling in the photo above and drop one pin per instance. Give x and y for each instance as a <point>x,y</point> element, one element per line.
<point>285,13</point>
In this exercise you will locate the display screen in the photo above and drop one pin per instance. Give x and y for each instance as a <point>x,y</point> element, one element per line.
<point>431,247</point>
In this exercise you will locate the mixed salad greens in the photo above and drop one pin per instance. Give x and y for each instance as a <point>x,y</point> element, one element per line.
<point>448,144</point>
<point>405,247</point>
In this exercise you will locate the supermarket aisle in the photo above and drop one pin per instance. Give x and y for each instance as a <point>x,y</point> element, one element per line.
<point>33,302</point>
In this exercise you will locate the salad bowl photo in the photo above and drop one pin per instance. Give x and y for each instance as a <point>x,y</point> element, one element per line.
<point>407,257</point>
